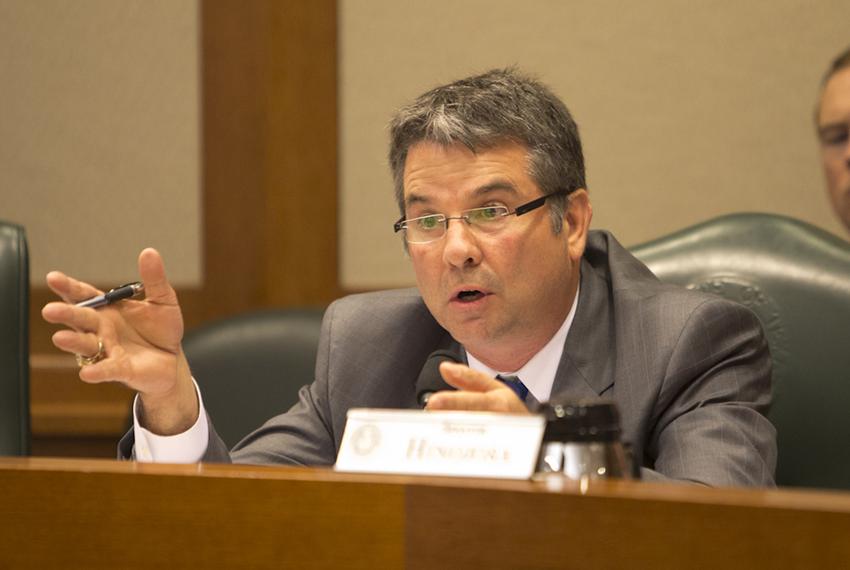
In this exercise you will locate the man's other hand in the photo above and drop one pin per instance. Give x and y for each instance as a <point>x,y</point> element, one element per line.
<point>476,392</point>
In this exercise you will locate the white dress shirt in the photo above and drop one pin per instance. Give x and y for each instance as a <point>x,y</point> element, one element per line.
<point>538,374</point>
<point>186,447</point>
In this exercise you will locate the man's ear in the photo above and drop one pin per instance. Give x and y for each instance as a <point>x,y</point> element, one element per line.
<point>577,222</point>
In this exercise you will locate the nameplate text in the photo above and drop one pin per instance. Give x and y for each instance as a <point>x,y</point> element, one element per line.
<point>465,444</point>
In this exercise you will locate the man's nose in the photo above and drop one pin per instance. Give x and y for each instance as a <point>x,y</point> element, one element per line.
<point>460,246</point>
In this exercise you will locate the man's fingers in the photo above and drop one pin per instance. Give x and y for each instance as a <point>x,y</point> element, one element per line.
<point>463,377</point>
<point>69,289</point>
<point>152,271</point>
<point>109,370</point>
<point>503,400</point>
<point>476,392</point>
<point>470,401</point>
<point>88,344</point>
<point>76,343</point>
<point>78,318</point>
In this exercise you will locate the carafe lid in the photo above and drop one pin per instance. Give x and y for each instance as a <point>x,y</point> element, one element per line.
<point>581,421</point>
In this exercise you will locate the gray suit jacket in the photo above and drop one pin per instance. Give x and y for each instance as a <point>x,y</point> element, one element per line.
<point>690,373</point>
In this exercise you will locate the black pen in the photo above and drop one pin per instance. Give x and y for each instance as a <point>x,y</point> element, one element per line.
<point>113,295</point>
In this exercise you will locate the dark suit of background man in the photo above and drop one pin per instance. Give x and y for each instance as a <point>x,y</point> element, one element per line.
<point>489,179</point>
<point>833,122</point>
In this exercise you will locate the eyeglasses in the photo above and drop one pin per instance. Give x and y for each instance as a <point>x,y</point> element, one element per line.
<point>486,220</point>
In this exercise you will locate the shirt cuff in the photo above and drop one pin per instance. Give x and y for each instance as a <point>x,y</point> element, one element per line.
<point>186,447</point>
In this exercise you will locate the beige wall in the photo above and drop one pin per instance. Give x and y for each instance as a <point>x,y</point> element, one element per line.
<point>99,134</point>
<point>688,110</point>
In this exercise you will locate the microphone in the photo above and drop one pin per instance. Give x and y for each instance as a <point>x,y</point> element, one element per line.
<point>430,380</point>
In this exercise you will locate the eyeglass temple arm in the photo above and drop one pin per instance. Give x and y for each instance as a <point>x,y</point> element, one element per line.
<point>534,204</point>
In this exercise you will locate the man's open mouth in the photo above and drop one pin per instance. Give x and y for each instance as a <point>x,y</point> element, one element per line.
<point>469,296</point>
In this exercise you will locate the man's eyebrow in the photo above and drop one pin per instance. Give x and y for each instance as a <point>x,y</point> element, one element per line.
<point>831,131</point>
<point>411,199</point>
<point>495,186</point>
<point>490,187</point>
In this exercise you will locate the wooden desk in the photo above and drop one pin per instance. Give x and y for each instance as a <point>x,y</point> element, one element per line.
<point>105,514</point>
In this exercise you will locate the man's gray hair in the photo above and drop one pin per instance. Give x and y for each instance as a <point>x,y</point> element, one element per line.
<point>483,111</point>
<point>841,61</point>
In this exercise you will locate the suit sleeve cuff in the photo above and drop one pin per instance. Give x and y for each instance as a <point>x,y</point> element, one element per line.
<point>186,447</point>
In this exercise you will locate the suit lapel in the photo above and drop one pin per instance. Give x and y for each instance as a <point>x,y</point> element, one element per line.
<point>586,370</point>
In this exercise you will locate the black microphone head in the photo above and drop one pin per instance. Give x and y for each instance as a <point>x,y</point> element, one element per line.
<point>430,380</point>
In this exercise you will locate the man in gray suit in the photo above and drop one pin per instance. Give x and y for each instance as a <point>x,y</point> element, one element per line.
<point>489,178</point>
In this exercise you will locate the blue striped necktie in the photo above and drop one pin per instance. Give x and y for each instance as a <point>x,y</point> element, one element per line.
<point>514,384</point>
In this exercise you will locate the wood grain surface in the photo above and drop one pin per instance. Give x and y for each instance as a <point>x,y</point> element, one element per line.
<point>109,514</point>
